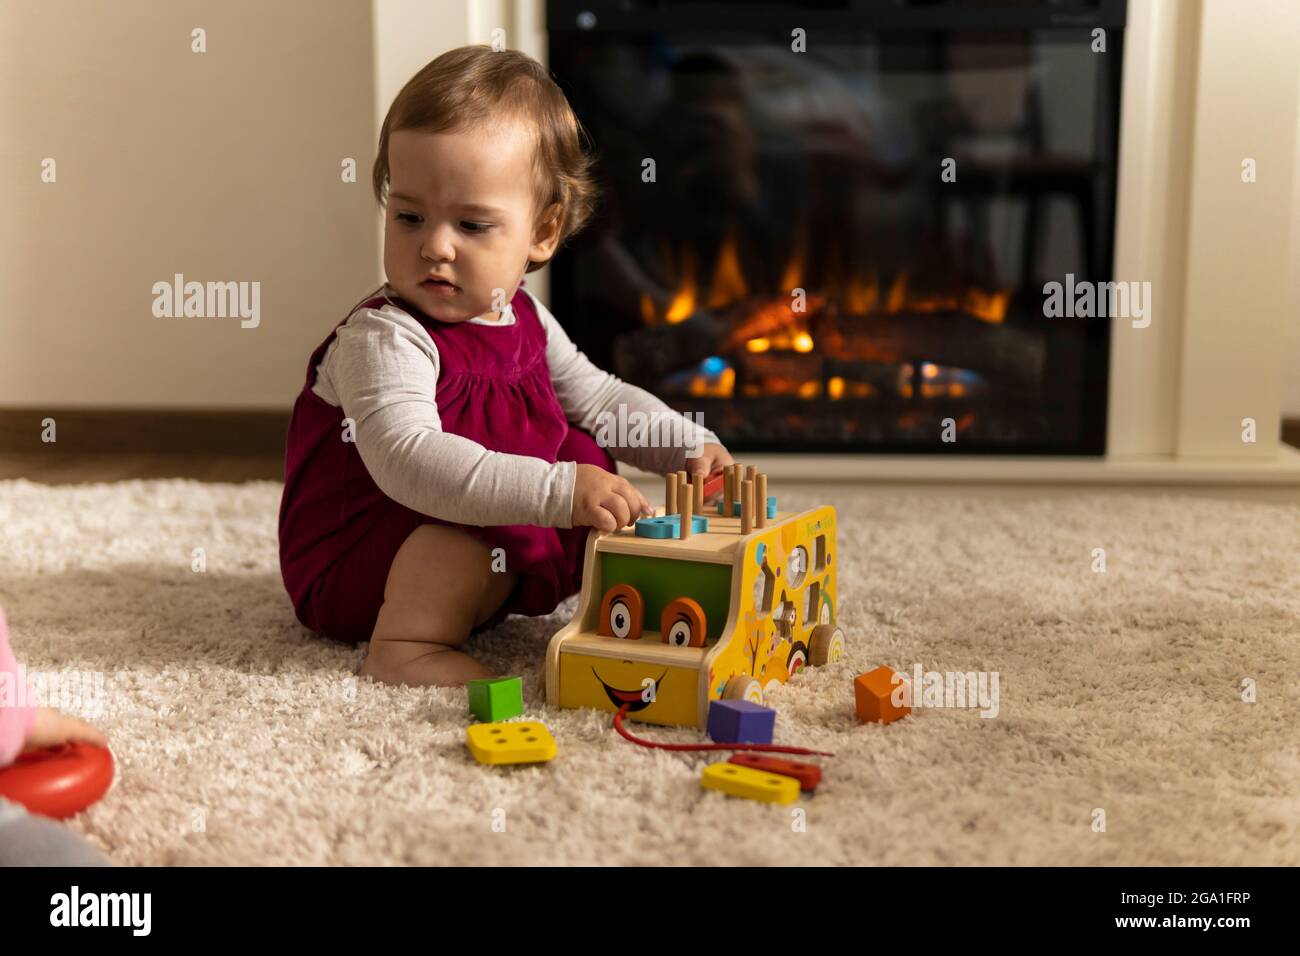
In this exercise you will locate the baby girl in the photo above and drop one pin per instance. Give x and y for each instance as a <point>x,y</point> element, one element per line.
<point>440,470</point>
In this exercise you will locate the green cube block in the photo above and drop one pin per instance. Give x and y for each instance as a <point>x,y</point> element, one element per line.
<point>498,698</point>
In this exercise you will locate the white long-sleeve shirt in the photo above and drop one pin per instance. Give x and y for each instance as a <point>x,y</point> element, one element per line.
<point>382,369</point>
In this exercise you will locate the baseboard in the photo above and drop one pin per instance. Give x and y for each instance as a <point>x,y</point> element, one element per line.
<point>107,431</point>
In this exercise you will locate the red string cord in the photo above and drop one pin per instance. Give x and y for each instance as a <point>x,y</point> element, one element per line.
<point>766,748</point>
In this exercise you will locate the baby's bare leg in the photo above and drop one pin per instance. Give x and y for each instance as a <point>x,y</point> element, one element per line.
<point>440,586</point>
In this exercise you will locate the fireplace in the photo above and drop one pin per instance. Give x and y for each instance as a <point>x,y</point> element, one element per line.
<point>844,248</point>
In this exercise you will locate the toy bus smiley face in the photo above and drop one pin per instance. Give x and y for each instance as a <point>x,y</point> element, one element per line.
<point>622,613</point>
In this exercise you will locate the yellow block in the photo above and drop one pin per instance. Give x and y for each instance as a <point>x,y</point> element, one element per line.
<point>527,741</point>
<point>750,783</point>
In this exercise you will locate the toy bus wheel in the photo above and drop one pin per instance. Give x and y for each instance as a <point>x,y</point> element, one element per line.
<point>744,688</point>
<point>825,645</point>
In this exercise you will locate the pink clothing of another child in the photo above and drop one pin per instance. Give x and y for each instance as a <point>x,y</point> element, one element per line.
<point>15,720</point>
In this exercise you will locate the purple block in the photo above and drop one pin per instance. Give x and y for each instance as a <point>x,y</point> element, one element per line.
<point>740,722</point>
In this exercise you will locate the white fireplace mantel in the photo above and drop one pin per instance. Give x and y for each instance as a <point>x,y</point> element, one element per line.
<point>1207,84</point>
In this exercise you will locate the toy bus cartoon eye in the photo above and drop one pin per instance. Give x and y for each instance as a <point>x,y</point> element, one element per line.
<point>621,613</point>
<point>683,623</point>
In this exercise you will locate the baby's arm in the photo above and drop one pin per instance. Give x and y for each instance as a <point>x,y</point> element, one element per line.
<point>15,721</point>
<point>383,371</point>
<point>586,391</point>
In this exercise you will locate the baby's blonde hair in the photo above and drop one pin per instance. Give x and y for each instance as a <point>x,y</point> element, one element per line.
<point>475,86</point>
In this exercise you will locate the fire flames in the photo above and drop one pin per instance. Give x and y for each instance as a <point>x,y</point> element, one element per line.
<point>764,328</point>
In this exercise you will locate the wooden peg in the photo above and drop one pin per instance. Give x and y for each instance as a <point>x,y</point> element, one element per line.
<point>726,491</point>
<point>751,473</point>
<point>760,492</point>
<point>698,481</point>
<point>670,494</point>
<point>746,506</point>
<point>683,492</point>
<point>686,516</point>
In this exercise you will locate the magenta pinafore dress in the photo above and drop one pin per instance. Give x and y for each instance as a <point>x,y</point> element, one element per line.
<point>339,533</point>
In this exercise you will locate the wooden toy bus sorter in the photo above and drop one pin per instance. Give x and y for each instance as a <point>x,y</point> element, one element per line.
<point>668,623</point>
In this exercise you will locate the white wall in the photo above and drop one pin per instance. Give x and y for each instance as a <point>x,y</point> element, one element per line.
<point>1239,234</point>
<point>222,165</point>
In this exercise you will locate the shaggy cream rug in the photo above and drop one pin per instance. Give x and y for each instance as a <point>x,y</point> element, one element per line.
<point>1124,732</point>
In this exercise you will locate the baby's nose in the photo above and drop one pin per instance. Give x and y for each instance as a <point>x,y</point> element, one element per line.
<point>440,245</point>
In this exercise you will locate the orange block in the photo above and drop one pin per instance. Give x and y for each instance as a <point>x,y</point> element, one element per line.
<point>873,693</point>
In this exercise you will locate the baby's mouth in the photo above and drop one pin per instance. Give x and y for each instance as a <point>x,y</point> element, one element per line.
<point>438,284</point>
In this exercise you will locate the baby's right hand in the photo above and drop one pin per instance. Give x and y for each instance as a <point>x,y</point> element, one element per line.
<point>605,501</point>
<point>49,727</point>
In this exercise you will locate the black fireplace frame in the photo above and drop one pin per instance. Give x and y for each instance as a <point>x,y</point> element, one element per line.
<point>689,18</point>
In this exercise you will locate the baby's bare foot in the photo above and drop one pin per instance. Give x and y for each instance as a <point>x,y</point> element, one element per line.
<point>433,665</point>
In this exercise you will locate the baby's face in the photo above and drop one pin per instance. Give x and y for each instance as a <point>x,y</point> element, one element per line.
<point>461,207</point>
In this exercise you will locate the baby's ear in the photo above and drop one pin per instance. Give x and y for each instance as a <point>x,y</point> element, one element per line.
<point>546,234</point>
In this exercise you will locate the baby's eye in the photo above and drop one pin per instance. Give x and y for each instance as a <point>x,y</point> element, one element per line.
<point>476,227</point>
<point>407,217</point>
